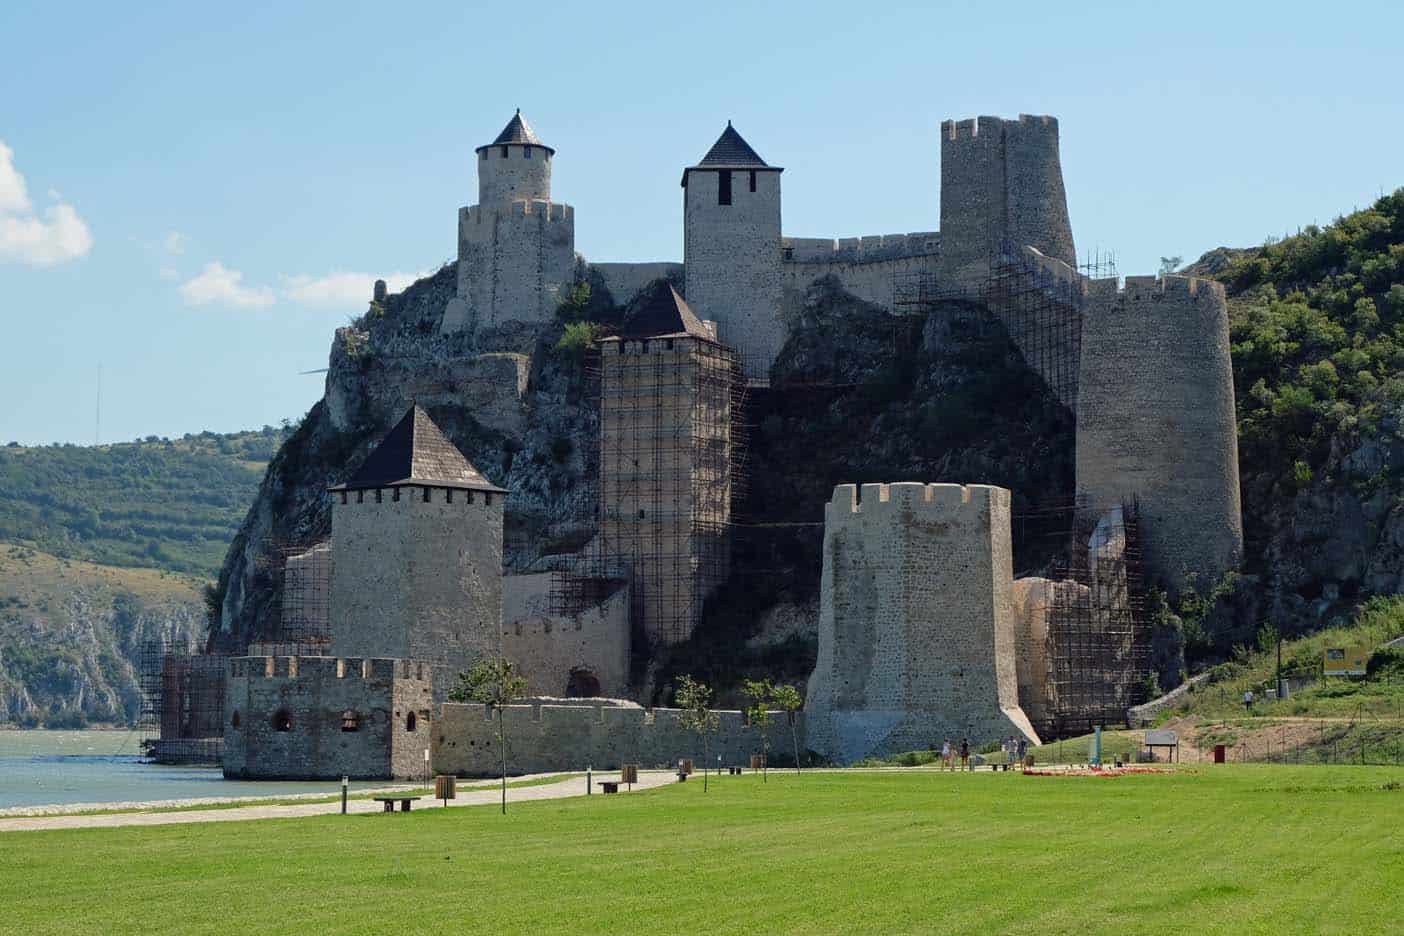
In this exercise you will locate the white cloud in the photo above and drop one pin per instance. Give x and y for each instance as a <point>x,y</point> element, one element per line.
<point>342,289</point>
<point>58,236</point>
<point>216,284</point>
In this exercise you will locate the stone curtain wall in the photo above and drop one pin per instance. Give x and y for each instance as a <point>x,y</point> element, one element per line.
<point>871,268</point>
<point>1001,182</point>
<point>315,693</point>
<point>624,280</point>
<point>1156,421</point>
<point>731,257</point>
<point>916,631</point>
<point>417,579</point>
<point>548,647</point>
<point>544,736</point>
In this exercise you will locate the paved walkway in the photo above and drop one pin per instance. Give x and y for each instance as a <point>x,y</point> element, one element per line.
<point>477,796</point>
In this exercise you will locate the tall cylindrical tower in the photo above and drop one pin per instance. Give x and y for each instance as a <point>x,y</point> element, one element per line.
<point>516,166</point>
<point>1155,422</point>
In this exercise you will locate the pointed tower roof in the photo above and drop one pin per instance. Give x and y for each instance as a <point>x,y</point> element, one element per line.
<point>517,131</point>
<point>658,312</point>
<point>731,151</point>
<point>417,453</point>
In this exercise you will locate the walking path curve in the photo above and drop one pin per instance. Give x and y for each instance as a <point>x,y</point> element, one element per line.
<point>475,796</point>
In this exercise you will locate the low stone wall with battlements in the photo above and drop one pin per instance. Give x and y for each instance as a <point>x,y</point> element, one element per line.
<point>571,734</point>
<point>322,718</point>
<point>916,630</point>
<point>872,268</point>
<point>585,653</point>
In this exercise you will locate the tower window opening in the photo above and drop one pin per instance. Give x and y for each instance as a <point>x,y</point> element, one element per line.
<point>753,180</point>
<point>282,720</point>
<point>448,496</point>
<point>410,722</point>
<point>426,495</point>
<point>343,497</point>
<point>360,497</point>
<point>378,496</point>
<point>505,151</point>
<point>526,152</point>
<point>396,496</point>
<point>350,721</point>
<point>723,187</point>
<point>487,498</point>
<point>234,720</point>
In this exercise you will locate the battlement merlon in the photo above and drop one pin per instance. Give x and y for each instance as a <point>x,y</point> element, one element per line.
<point>851,500</point>
<point>1157,287</point>
<point>866,249</point>
<point>326,667</point>
<point>973,128</point>
<point>522,207</point>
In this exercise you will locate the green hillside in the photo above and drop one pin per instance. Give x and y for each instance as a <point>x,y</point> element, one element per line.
<point>172,504</point>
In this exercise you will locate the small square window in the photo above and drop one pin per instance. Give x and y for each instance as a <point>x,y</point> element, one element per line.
<point>505,151</point>
<point>723,187</point>
<point>526,152</point>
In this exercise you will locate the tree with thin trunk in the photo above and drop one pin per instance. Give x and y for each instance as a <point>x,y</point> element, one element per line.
<point>695,700</point>
<point>496,684</point>
<point>789,699</point>
<point>758,714</point>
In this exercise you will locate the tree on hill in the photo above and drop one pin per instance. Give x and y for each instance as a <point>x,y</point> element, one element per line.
<point>695,700</point>
<point>496,684</point>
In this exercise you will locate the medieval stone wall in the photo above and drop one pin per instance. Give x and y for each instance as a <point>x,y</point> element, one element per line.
<point>515,262</point>
<point>566,735</point>
<point>872,268</point>
<point>322,718</point>
<point>549,649</point>
<point>916,636</point>
<point>1155,421</point>
<point>1001,183</point>
<point>732,261</point>
<point>624,280</point>
<point>417,574</point>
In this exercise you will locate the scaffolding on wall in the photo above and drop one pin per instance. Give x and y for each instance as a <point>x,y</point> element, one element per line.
<point>300,575</point>
<point>1097,645</point>
<point>671,464</point>
<point>182,711</point>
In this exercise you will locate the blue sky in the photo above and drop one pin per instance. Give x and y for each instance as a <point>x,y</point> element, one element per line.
<point>193,196</point>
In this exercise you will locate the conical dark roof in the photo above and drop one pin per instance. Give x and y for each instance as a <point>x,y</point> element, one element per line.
<point>733,151</point>
<point>659,311</point>
<point>517,131</point>
<point>417,453</point>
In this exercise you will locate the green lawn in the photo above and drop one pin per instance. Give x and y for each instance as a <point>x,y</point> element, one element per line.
<point>1240,848</point>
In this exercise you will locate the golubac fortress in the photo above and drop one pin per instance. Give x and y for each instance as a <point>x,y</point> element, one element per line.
<point>923,630</point>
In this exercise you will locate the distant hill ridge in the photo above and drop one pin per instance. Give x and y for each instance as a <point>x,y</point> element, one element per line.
<point>172,504</point>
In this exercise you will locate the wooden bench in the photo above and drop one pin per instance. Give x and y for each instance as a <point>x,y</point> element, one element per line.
<point>390,802</point>
<point>609,786</point>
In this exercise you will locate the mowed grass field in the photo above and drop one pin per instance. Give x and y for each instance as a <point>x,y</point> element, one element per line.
<point>1239,848</point>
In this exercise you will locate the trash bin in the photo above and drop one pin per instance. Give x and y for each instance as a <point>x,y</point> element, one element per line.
<point>686,766</point>
<point>757,761</point>
<point>629,773</point>
<point>1219,752</point>
<point>445,787</point>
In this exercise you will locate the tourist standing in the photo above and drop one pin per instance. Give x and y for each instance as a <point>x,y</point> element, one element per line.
<point>1023,750</point>
<point>947,755</point>
<point>964,754</point>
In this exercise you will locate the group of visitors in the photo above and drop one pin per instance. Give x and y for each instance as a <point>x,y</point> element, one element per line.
<point>1013,747</point>
<point>948,755</point>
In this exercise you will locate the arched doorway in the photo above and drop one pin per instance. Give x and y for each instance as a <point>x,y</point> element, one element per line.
<point>583,684</point>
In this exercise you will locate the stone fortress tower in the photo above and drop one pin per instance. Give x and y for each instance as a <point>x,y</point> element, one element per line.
<point>417,554</point>
<point>516,248</point>
<point>916,631</point>
<point>666,461</point>
<point>1001,188</point>
<point>732,249</point>
<point>1156,422</point>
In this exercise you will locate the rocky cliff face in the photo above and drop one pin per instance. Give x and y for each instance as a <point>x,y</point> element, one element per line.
<point>506,397</point>
<point>72,635</point>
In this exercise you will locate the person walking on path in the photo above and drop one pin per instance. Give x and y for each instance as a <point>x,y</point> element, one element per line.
<point>946,755</point>
<point>964,754</point>
<point>1023,750</point>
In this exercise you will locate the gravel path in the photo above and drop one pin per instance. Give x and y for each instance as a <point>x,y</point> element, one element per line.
<point>473,797</point>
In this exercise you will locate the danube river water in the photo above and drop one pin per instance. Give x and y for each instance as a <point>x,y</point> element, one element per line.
<point>53,767</point>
